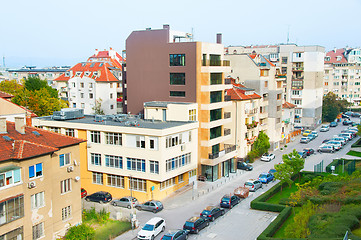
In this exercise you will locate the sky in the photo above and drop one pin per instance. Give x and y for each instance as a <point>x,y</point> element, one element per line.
<point>46,33</point>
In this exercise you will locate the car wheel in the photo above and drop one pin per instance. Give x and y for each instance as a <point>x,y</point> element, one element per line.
<point>152,238</point>
<point>223,212</point>
<point>207,224</point>
<point>87,199</point>
<point>154,211</point>
<point>261,186</point>
<point>196,231</point>
<point>186,236</point>
<point>129,207</point>
<point>114,204</point>
<point>163,228</point>
<point>212,219</point>
<point>101,202</point>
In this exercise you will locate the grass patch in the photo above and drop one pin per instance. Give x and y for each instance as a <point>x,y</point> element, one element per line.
<point>354,153</point>
<point>111,229</point>
<point>285,193</point>
<point>281,232</point>
<point>357,232</point>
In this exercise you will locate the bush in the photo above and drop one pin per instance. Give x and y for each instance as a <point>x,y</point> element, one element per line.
<point>80,232</point>
<point>356,144</point>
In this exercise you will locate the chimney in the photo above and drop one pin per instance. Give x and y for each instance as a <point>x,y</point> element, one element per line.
<point>166,26</point>
<point>20,125</point>
<point>96,51</point>
<point>334,50</point>
<point>219,38</point>
<point>3,125</point>
<point>28,120</point>
<point>110,48</point>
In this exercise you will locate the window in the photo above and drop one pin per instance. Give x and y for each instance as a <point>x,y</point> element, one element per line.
<point>297,102</point>
<point>138,184</point>
<point>284,60</point>
<point>96,159</point>
<point>67,74</point>
<point>91,95</point>
<point>78,74</point>
<point>284,70</point>
<point>113,138</point>
<point>74,105</point>
<point>140,141</point>
<point>279,96</point>
<point>174,140</point>
<point>177,93</point>
<point>15,234</point>
<point>98,178</point>
<point>264,73</point>
<point>90,85</point>
<point>115,181</point>
<point>54,129</point>
<point>113,161</point>
<point>215,132</point>
<point>297,84</point>
<point>111,96</point>
<point>136,164</point>
<point>66,213</point>
<point>177,162</point>
<point>65,186</point>
<point>10,177</point>
<point>336,83</point>
<point>214,60</point>
<point>38,231</point>
<point>153,143</point>
<point>177,78</point>
<point>278,108</point>
<point>326,83</point>
<point>192,173</point>
<point>215,96</point>
<point>82,85</point>
<point>36,170</point>
<point>81,95</point>
<point>298,55</point>
<point>37,200</point>
<point>64,159</point>
<point>357,83</point>
<point>86,74</point>
<point>177,59</point>
<point>193,115</point>
<point>154,166</point>
<point>111,85</point>
<point>70,132</point>
<point>82,105</point>
<point>180,178</point>
<point>95,136</point>
<point>216,78</point>
<point>336,77</point>
<point>73,84</point>
<point>168,183</point>
<point>111,106</point>
<point>216,114</point>
<point>296,92</point>
<point>11,209</point>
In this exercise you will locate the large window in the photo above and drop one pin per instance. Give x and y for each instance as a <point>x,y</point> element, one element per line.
<point>36,170</point>
<point>138,184</point>
<point>10,177</point>
<point>177,78</point>
<point>11,209</point>
<point>215,132</point>
<point>113,138</point>
<point>216,114</point>
<point>54,129</point>
<point>95,136</point>
<point>65,186</point>
<point>38,231</point>
<point>66,213</point>
<point>113,161</point>
<point>192,115</point>
<point>98,178</point>
<point>168,183</point>
<point>177,59</point>
<point>172,141</point>
<point>95,159</point>
<point>154,166</point>
<point>64,159</point>
<point>216,78</point>
<point>115,181</point>
<point>136,164</point>
<point>140,141</point>
<point>177,93</point>
<point>70,132</point>
<point>37,200</point>
<point>215,60</point>
<point>216,96</point>
<point>177,162</point>
<point>15,234</point>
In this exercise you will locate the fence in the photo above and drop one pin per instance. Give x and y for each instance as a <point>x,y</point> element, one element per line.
<point>318,167</point>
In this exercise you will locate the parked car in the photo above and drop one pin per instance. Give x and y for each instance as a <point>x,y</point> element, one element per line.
<point>305,140</point>
<point>306,133</point>
<point>333,124</point>
<point>340,139</point>
<point>325,141</point>
<point>326,148</point>
<point>268,157</point>
<point>253,185</point>
<point>212,212</point>
<point>83,193</point>
<point>349,113</point>
<point>152,206</point>
<point>346,122</point>
<point>176,235</point>
<point>299,128</point>
<point>244,166</point>
<point>356,115</point>
<point>302,154</point>
<point>345,116</point>
<point>272,171</point>
<point>347,135</point>
<point>152,228</point>
<point>202,178</point>
<point>308,151</point>
<point>195,224</point>
<point>229,201</point>
<point>337,145</point>
<point>101,197</point>
<point>312,136</point>
<point>265,177</point>
<point>315,133</point>
<point>125,202</point>
<point>345,138</point>
<point>353,128</point>
<point>325,128</point>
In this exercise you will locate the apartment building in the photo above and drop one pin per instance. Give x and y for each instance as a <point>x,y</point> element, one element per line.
<point>126,155</point>
<point>48,74</point>
<point>245,117</point>
<point>343,74</point>
<point>258,73</point>
<point>288,122</point>
<point>39,182</point>
<point>167,65</point>
<point>98,81</point>
<point>302,70</point>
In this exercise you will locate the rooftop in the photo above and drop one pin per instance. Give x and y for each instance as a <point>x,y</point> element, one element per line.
<point>163,104</point>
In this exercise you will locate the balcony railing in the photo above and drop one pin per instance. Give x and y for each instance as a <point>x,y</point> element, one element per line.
<point>251,111</point>
<point>251,125</point>
<point>297,69</point>
<point>282,76</point>
<point>227,131</point>
<point>227,149</point>
<point>227,115</point>
<point>219,63</point>
<point>227,98</point>
<point>297,78</point>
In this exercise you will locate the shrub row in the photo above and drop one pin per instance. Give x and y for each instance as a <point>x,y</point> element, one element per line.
<point>356,144</point>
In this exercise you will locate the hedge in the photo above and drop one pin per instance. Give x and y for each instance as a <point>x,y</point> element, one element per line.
<point>356,144</point>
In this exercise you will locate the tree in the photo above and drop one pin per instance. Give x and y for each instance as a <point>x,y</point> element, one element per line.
<point>262,143</point>
<point>11,87</point>
<point>98,107</point>
<point>296,162</point>
<point>332,106</point>
<point>284,173</point>
<point>35,83</point>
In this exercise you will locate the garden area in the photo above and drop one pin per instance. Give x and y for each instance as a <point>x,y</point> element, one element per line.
<point>97,225</point>
<point>314,206</point>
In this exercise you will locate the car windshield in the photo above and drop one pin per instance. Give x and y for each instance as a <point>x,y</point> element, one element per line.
<point>167,237</point>
<point>225,199</point>
<point>107,195</point>
<point>206,212</point>
<point>249,184</point>
<point>189,224</point>
<point>266,154</point>
<point>263,175</point>
<point>159,204</point>
<point>148,227</point>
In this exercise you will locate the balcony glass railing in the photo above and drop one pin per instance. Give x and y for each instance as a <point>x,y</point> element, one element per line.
<point>227,115</point>
<point>227,131</point>
<point>227,149</point>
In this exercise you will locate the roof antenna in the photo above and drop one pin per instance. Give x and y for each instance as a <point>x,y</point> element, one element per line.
<point>288,34</point>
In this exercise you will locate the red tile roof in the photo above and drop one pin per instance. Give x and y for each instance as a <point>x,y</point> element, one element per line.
<point>288,105</point>
<point>334,54</point>
<point>5,95</point>
<point>238,92</point>
<point>29,145</point>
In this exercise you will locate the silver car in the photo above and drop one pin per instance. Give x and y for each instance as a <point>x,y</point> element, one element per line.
<point>305,140</point>
<point>253,185</point>
<point>125,202</point>
<point>152,206</point>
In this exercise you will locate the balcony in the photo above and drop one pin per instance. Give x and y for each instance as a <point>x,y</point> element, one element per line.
<point>227,98</point>
<point>226,131</point>
<point>227,81</point>
<point>227,115</point>
<point>217,63</point>
<point>280,76</point>
<point>297,69</point>
<point>251,125</point>
<point>251,111</point>
<point>227,149</point>
<point>297,78</point>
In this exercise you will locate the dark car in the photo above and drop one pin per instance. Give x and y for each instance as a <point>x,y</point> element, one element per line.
<point>302,154</point>
<point>83,193</point>
<point>229,201</point>
<point>195,224</point>
<point>244,166</point>
<point>265,177</point>
<point>212,212</point>
<point>152,206</point>
<point>176,235</point>
<point>102,197</point>
<point>325,141</point>
<point>333,124</point>
<point>308,151</point>
<point>345,116</point>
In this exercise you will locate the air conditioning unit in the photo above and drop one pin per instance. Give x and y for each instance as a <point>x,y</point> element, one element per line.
<point>183,147</point>
<point>31,184</point>
<point>70,169</point>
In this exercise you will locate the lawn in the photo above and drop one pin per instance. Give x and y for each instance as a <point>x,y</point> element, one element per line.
<point>354,153</point>
<point>111,229</point>
<point>281,231</point>
<point>285,193</point>
<point>357,231</point>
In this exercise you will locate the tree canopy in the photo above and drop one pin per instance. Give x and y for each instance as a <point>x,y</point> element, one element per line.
<point>260,146</point>
<point>332,106</point>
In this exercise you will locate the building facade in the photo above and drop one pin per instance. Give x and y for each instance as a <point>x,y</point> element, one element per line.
<point>39,182</point>
<point>48,74</point>
<point>167,65</point>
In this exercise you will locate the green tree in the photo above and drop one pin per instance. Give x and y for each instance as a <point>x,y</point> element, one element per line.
<point>98,107</point>
<point>284,173</point>
<point>332,106</point>
<point>35,83</point>
<point>11,87</point>
<point>262,143</point>
<point>296,162</point>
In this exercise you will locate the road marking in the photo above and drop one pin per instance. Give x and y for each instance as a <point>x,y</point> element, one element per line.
<point>212,235</point>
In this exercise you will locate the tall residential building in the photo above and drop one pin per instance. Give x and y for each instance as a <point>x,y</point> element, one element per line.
<point>96,82</point>
<point>129,156</point>
<point>343,74</point>
<point>303,69</point>
<point>167,65</point>
<point>39,182</point>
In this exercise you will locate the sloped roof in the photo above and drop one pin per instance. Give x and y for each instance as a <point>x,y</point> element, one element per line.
<point>5,95</point>
<point>288,105</point>
<point>334,54</point>
<point>18,106</point>
<point>238,92</point>
<point>28,145</point>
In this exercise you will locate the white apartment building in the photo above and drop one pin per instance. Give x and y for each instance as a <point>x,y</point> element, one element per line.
<point>343,74</point>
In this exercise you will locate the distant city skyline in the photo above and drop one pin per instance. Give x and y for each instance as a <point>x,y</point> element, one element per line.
<point>57,33</point>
